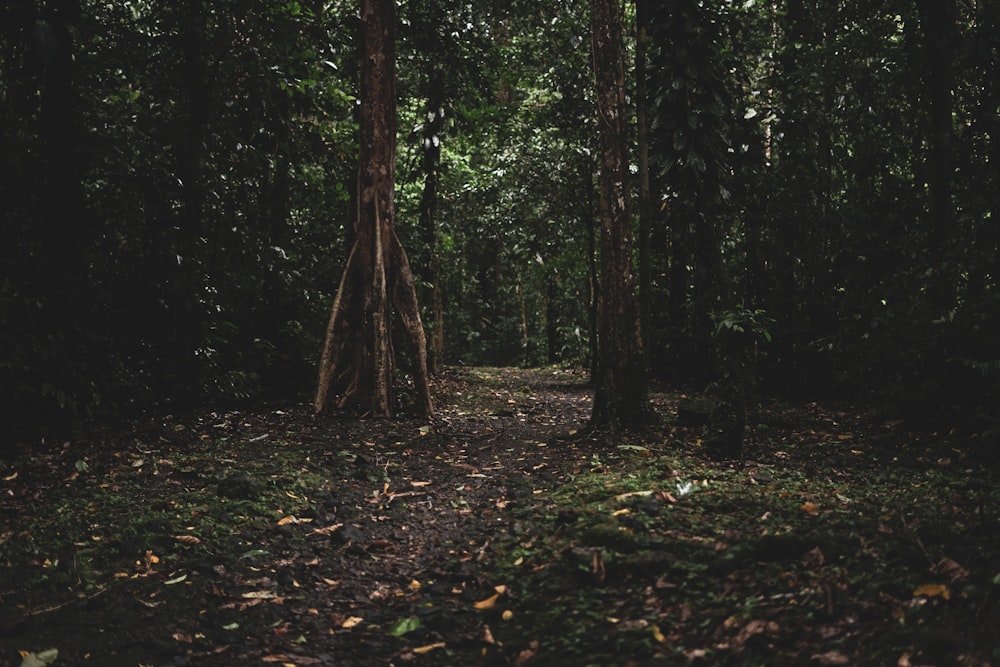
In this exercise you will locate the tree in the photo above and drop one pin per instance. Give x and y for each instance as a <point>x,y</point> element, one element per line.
<point>620,392</point>
<point>358,360</point>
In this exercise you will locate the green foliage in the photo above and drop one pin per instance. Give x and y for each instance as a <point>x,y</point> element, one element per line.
<point>176,181</point>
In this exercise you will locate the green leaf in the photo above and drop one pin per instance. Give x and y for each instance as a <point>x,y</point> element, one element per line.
<point>404,625</point>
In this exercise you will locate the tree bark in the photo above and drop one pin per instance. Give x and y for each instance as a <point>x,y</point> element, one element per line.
<point>643,19</point>
<point>620,396</point>
<point>358,360</point>
<point>431,162</point>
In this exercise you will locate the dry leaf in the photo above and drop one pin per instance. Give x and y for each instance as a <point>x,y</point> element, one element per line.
<point>813,558</point>
<point>351,621</point>
<point>259,595</point>
<point>932,590</point>
<point>328,530</point>
<point>488,603</point>
<point>527,654</point>
<point>187,539</point>
<point>810,508</point>
<point>430,647</point>
<point>418,485</point>
<point>946,567</point>
<point>830,658</point>
<point>284,521</point>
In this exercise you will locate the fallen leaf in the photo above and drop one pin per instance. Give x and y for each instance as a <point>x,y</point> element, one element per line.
<point>284,521</point>
<point>404,625</point>
<point>427,649</point>
<point>527,654</point>
<point>830,658</point>
<point>328,530</point>
<point>813,558</point>
<point>41,659</point>
<point>351,621</point>
<point>418,485</point>
<point>488,603</point>
<point>946,567</point>
<point>187,539</point>
<point>932,590</point>
<point>809,508</point>
<point>658,634</point>
<point>259,595</point>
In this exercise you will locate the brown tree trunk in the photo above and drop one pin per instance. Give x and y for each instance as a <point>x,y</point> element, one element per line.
<point>642,22</point>
<point>358,361</point>
<point>431,162</point>
<point>620,395</point>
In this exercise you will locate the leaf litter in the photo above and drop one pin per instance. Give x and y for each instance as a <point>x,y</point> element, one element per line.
<point>501,534</point>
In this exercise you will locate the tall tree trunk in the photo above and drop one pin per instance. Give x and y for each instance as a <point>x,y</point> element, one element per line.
<point>621,395</point>
<point>358,360</point>
<point>593,290</point>
<point>431,162</point>
<point>643,19</point>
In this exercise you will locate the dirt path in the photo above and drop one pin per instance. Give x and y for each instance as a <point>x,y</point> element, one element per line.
<point>497,535</point>
<point>284,539</point>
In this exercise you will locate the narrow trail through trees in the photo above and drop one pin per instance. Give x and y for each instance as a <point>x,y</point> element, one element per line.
<point>498,534</point>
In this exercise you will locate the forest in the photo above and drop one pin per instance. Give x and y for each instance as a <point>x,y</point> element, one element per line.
<point>744,248</point>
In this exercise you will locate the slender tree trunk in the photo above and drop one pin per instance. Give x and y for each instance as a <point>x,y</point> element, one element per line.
<point>431,162</point>
<point>643,17</point>
<point>358,360</point>
<point>620,397</point>
<point>593,290</point>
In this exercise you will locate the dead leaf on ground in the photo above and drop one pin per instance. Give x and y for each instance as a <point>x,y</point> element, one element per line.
<point>946,567</point>
<point>813,558</point>
<point>527,654</point>
<point>830,658</point>
<point>488,603</point>
<point>428,648</point>
<point>932,590</point>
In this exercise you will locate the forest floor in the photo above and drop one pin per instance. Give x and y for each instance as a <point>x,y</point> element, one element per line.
<point>499,534</point>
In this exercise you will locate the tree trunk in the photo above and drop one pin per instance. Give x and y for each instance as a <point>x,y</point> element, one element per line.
<point>643,18</point>
<point>358,360</point>
<point>620,396</point>
<point>431,162</point>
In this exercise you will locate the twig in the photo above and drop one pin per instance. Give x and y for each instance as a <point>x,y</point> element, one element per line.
<point>57,607</point>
